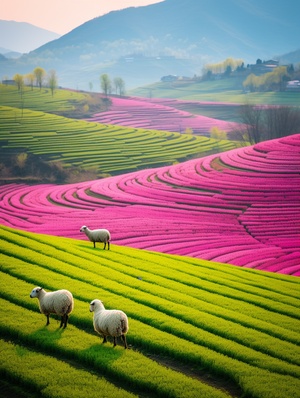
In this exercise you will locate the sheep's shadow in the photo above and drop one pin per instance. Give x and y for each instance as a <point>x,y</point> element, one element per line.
<point>89,246</point>
<point>103,353</point>
<point>48,335</point>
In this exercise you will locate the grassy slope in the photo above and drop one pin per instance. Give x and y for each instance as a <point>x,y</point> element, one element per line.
<point>227,334</point>
<point>226,90</point>
<point>238,325</point>
<point>106,149</point>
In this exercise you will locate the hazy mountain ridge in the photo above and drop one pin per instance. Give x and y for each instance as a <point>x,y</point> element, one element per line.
<point>22,37</point>
<point>141,44</point>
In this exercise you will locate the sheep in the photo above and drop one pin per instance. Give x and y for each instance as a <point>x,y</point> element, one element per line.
<point>109,322</point>
<point>97,235</point>
<point>59,302</point>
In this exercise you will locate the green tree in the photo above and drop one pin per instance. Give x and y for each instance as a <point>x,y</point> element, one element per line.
<point>218,134</point>
<point>119,85</point>
<point>52,80</point>
<point>229,64</point>
<point>20,163</point>
<point>39,74</point>
<point>19,79</point>
<point>268,81</point>
<point>105,84</point>
<point>30,79</point>
<point>251,82</point>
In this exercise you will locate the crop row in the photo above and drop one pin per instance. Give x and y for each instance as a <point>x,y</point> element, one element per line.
<point>240,207</point>
<point>41,100</point>
<point>159,115</point>
<point>204,315</point>
<point>109,149</point>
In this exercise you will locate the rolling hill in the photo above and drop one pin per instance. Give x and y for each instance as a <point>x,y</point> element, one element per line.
<point>223,328</point>
<point>196,328</point>
<point>238,207</point>
<point>141,44</point>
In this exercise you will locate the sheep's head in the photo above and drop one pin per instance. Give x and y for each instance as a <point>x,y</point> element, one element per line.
<point>95,304</point>
<point>35,292</point>
<point>83,228</point>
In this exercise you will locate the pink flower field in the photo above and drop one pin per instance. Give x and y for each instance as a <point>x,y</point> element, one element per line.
<point>241,207</point>
<point>160,114</point>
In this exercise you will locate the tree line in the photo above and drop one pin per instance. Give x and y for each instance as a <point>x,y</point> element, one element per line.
<point>107,85</point>
<point>37,77</point>
<point>261,122</point>
<point>274,80</point>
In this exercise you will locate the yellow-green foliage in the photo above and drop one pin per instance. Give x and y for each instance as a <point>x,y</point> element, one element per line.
<point>109,149</point>
<point>266,80</point>
<point>42,100</point>
<point>221,66</point>
<point>236,324</point>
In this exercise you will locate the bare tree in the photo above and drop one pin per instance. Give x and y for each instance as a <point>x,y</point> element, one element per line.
<point>260,123</point>
<point>281,121</point>
<point>251,117</point>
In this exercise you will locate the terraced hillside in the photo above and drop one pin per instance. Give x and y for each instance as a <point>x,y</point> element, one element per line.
<point>197,328</point>
<point>168,115</point>
<point>240,207</point>
<point>106,148</point>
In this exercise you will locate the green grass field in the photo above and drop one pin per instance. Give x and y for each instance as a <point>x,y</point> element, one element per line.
<point>108,149</point>
<point>197,328</point>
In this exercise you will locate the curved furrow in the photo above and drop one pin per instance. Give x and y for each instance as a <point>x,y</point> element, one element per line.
<point>239,207</point>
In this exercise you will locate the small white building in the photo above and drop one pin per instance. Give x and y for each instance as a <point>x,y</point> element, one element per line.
<point>293,85</point>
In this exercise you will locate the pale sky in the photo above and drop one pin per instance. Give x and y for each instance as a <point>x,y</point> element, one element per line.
<point>61,16</point>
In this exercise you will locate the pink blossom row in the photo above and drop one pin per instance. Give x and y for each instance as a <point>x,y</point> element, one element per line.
<point>241,207</point>
<point>159,115</point>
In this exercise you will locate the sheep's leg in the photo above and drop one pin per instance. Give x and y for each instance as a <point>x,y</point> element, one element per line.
<point>108,244</point>
<point>47,319</point>
<point>115,341</point>
<point>66,317</point>
<point>104,340</point>
<point>123,337</point>
<point>61,321</point>
<point>94,244</point>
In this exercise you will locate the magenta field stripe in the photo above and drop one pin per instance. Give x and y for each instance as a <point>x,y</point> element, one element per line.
<point>160,115</point>
<point>240,207</point>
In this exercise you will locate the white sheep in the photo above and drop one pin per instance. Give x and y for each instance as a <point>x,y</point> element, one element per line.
<point>59,302</point>
<point>109,322</point>
<point>97,235</point>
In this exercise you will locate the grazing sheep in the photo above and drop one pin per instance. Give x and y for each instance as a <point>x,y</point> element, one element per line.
<point>109,322</point>
<point>60,302</point>
<point>97,235</point>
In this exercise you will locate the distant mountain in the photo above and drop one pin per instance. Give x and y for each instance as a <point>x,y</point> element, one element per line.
<point>9,54</point>
<point>290,58</point>
<point>22,37</point>
<point>141,44</point>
